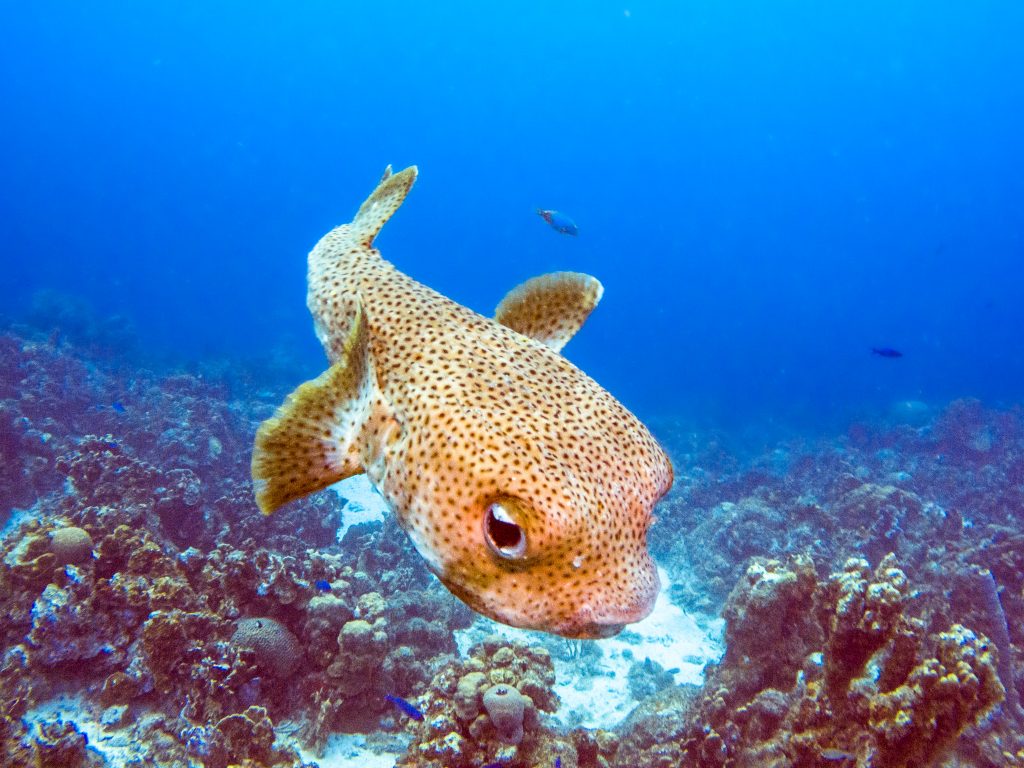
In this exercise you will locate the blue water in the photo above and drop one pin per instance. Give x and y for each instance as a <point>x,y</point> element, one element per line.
<point>767,190</point>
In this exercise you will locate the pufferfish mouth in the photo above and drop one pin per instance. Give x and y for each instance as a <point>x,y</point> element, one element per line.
<point>596,622</point>
<point>592,631</point>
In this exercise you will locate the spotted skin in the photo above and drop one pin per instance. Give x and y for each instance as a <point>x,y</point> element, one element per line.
<point>467,413</point>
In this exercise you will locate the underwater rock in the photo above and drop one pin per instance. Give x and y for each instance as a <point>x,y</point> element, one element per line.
<point>249,738</point>
<point>770,627</point>
<point>66,627</point>
<point>18,693</point>
<point>652,730</point>
<point>32,567</point>
<point>887,513</point>
<point>912,412</point>
<point>467,695</point>
<point>26,459</point>
<point>326,615</point>
<point>647,678</point>
<point>60,744</point>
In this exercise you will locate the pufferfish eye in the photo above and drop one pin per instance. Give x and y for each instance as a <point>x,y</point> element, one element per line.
<point>503,534</point>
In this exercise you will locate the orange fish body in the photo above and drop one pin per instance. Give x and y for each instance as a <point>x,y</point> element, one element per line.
<point>526,487</point>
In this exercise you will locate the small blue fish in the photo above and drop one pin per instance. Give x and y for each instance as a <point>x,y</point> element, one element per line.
<point>118,406</point>
<point>405,706</point>
<point>558,762</point>
<point>323,585</point>
<point>886,352</point>
<point>559,222</point>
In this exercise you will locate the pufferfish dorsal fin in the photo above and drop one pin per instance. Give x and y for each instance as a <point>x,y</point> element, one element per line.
<point>382,204</point>
<point>550,308</point>
<point>311,442</point>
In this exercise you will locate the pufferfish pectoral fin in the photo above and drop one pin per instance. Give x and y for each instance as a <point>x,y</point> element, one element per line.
<point>550,308</point>
<point>382,204</point>
<point>311,442</point>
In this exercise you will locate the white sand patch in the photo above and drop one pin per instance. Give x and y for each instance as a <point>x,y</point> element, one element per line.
<point>363,504</point>
<point>350,750</point>
<point>595,692</point>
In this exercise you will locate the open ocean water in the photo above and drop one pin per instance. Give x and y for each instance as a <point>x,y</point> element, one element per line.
<point>808,220</point>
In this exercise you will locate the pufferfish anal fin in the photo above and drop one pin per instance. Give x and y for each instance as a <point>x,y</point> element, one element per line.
<point>382,204</point>
<point>550,308</point>
<point>312,440</point>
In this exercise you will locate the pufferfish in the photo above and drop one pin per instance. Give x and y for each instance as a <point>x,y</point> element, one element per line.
<point>526,487</point>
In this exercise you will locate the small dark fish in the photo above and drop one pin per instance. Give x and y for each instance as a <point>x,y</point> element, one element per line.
<point>559,222</point>
<point>118,406</point>
<point>558,762</point>
<point>886,352</point>
<point>323,585</point>
<point>405,706</point>
<point>111,445</point>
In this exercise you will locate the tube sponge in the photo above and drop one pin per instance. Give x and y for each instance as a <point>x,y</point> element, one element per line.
<point>505,706</point>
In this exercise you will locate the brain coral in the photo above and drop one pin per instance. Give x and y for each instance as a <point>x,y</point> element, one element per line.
<point>71,545</point>
<point>277,649</point>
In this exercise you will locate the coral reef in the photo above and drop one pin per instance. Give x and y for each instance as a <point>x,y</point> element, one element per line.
<point>821,670</point>
<point>142,571</point>
<point>138,575</point>
<point>486,710</point>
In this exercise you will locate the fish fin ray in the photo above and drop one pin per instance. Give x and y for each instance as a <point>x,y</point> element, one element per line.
<point>550,308</point>
<point>382,204</point>
<point>312,440</point>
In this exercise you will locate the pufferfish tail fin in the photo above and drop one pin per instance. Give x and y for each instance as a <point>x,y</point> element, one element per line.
<point>550,308</point>
<point>382,204</point>
<point>312,440</point>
